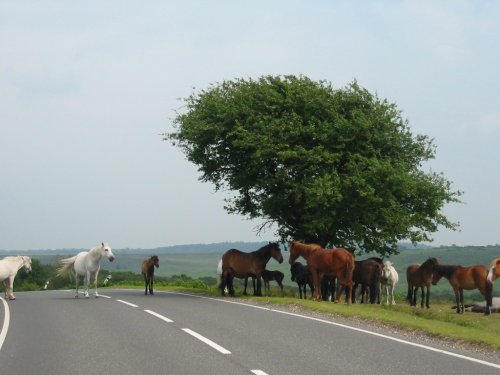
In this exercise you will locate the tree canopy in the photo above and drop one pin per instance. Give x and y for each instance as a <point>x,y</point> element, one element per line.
<point>339,167</point>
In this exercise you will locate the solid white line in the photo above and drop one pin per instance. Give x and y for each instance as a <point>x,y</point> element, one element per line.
<point>159,316</point>
<point>430,348</point>
<point>6,322</point>
<point>127,303</point>
<point>259,372</point>
<point>207,341</point>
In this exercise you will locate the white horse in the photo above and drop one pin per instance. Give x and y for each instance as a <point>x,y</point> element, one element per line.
<point>8,271</point>
<point>86,263</point>
<point>389,280</point>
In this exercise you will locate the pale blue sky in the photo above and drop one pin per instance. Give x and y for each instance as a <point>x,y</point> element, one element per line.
<point>87,86</point>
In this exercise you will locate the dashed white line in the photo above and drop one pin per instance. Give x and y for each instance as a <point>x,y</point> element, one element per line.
<point>159,316</point>
<point>207,341</point>
<point>127,303</point>
<point>258,372</point>
<point>6,322</point>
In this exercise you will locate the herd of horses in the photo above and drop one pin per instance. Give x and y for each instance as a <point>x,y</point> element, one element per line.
<point>325,266</point>
<point>329,274</point>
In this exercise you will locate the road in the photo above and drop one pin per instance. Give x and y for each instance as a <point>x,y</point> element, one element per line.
<point>126,332</point>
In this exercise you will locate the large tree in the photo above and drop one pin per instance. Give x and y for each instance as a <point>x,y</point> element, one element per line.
<point>332,166</point>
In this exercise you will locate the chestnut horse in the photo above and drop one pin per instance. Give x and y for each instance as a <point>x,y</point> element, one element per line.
<point>148,271</point>
<point>468,278</point>
<point>494,271</point>
<point>331,262</point>
<point>367,273</point>
<point>420,276</point>
<point>236,263</point>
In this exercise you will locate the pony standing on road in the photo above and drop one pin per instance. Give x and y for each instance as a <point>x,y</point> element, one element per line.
<point>148,271</point>
<point>86,263</point>
<point>8,271</point>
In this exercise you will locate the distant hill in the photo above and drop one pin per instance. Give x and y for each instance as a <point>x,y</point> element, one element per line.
<point>219,247</point>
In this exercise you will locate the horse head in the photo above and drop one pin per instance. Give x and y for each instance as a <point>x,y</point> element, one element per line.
<point>494,271</point>
<point>26,263</point>
<point>276,251</point>
<point>156,261</point>
<point>106,251</point>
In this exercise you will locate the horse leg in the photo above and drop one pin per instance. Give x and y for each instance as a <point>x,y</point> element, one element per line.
<point>414,296</point>
<point>462,307</point>
<point>145,284</point>
<point>259,287</point>
<point>96,295</point>
<point>317,284</point>
<point>76,282</point>
<point>10,294</point>
<point>151,284</point>
<point>86,282</point>
<point>489,297</point>
<point>281,287</point>
<point>427,295</point>
<point>391,289</point>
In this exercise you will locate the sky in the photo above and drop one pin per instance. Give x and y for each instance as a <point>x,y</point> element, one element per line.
<point>86,87</point>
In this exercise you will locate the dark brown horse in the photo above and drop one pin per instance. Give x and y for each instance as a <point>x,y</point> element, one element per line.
<point>236,263</point>
<point>148,271</point>
<point>420,276</point>
<point>302,276</point>
<point>468,278</point>
<point>269,276</point>
<point>331,262</point>
<point>368,273</point>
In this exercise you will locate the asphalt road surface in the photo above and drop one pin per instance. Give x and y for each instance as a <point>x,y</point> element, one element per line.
<point>126,332</point>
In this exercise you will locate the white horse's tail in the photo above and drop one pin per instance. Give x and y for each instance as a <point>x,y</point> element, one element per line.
<point>66,265</point>
<point>219,267</point>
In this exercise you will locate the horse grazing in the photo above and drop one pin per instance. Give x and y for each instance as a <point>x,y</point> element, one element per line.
<point>494,271</point>
<point>465,278</point>
<point>367,273</point>
<point>389,280</point>
<point>269,276</point>
<point>302,276</point>
<point>148,271</point>
<point>420,276</point>
<point>331,262</point>
<point>86,263</point>
<point>236,263</point>
<point>8,271</point>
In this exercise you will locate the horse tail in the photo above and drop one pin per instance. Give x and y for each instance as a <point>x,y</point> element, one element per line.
<point>66,265</point>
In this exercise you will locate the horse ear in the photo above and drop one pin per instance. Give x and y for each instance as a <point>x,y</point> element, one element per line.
<point>102,243</point>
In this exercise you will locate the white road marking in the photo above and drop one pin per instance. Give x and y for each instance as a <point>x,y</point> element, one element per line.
<point>127,303</point>
<point>159,316</point>
<point>6,322</point>
<point>104,296</point>
<point>259,372</point>
<point>425,347</point>
<point>207,341</point>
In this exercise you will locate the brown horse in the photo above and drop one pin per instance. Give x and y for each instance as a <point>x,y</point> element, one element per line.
<point>494,271</point>
<point>468,278</point>
<point>269,276</point>
<point>236,263</point>
<point>420,276</point>
<point>331,262</point>
<point>148,271</point>
<point>368,273</point>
